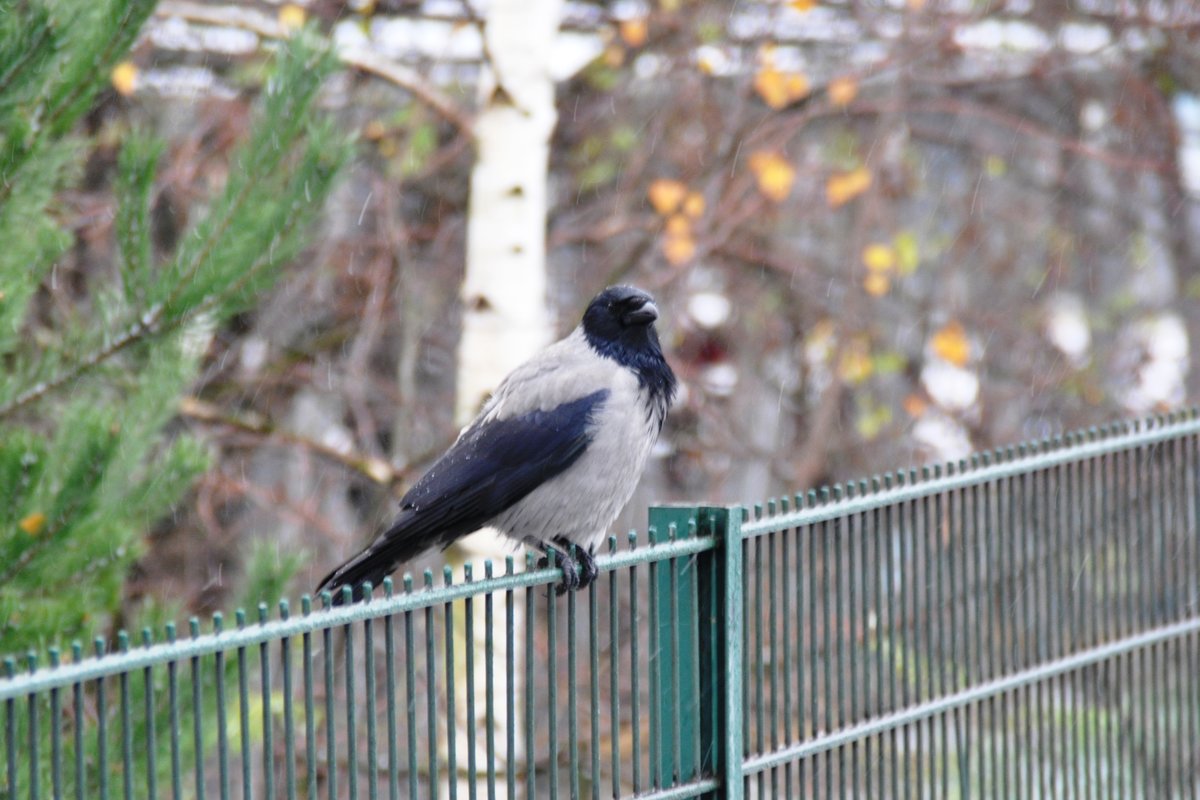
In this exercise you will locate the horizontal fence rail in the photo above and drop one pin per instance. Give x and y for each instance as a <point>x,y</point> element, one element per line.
<point>1024,623</point>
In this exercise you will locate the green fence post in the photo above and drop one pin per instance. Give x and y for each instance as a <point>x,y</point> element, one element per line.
<point>675,585</point>
<point>719,597</point>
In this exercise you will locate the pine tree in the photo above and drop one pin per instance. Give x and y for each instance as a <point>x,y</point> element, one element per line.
<point>85,465</point>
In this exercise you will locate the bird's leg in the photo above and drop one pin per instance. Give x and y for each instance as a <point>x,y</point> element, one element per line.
<point>563,561</point>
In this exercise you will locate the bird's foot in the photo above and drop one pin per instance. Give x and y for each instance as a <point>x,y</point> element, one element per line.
<point>575,575</point>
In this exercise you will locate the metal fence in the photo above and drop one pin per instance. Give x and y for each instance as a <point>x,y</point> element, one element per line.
<point>1022,624</point>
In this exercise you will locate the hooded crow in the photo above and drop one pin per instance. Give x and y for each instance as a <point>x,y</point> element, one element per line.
<point>553,456</point>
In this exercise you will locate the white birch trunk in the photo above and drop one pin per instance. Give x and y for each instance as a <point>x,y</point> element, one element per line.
<point>506,318</point>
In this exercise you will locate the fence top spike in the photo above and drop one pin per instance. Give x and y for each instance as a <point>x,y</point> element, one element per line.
<point>447,575</point>
<point>194,626</point>
<point>218,621</point>
<point>123,640</point>
<point>672,532</point>
<point>326,599</point>
<point>284,610</point>
<point>408,582</point>
<point>264,612</point>
<point>56,657</point>
<point>368,590</point>
<point>306,604</point>
<point>632,537</point>
<point>347,595</point>
<point>509,562</point>
<point>10,667</point>
<point>824,494</point>
<point>758,509</point>
<point>31,661</point>
<point>98,642</point>
<point>389,586</point>
<point>874,483</point>
<point>771,506</point>
<point>240,617</point>
<point>612,543</point>
<point>652,535</point>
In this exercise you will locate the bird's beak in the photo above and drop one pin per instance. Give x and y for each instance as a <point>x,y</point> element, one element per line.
<point>644,315</point>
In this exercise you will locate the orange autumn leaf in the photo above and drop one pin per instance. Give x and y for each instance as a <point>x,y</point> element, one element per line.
<point>951,344</point>
<point>678,248</point>
<point>803,5</point>
<point>666,195</point>
<point>915,405</point>
<point>842,91</point>
<point>633,31</point>
<point>374,130</point>
<point>777,89</point>
<point>845,186</point>
<point>678,225</point>
<point>33,524</point>
<point>879,258</point>
<point>774,174</point>
<point>124,78</point>
<point>877,284</point>
<point>693,205</point>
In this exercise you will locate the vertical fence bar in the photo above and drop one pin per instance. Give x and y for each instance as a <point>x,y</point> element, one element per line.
<point>674,587</point>
<point>719,599</point>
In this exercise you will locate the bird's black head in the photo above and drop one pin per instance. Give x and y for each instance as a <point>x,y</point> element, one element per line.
<point>619,324</point>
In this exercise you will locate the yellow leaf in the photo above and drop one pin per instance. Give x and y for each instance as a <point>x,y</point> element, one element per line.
<point>774,174</point>
<point>877,284</point>
<point>907,253</point>
<point>879,257</point>
<point>678,249</point>
<point>777,89</point>
<point>803,5</point>
<point>292,16</point>
<point>124,78</point>
<point>951,343</point>
<point>33,524</point>
<point>693,205</point>
<point>633,31</point>
<point>666,195</point>
<point>845,186</point>
<point>855,365</point>
<point>842,91</point>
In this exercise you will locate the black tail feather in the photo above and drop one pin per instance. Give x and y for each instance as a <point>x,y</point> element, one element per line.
<point>373,564</point>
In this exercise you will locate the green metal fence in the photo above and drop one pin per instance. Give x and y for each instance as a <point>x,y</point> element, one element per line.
<point>1022,624</point>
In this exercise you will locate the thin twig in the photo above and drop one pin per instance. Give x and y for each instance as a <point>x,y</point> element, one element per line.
<point>375,469</point>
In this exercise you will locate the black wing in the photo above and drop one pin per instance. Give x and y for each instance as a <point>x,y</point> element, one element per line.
<point>492,466</point>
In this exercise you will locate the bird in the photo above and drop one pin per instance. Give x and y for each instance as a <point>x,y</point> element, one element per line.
<point>552,457</point>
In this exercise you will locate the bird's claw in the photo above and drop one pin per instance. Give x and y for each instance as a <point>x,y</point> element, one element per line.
<point>575,576</point>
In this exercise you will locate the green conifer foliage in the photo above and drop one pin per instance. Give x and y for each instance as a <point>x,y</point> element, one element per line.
<point>85,466</point>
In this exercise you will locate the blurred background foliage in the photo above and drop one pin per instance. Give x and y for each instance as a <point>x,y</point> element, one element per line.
<point>882,233</point>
